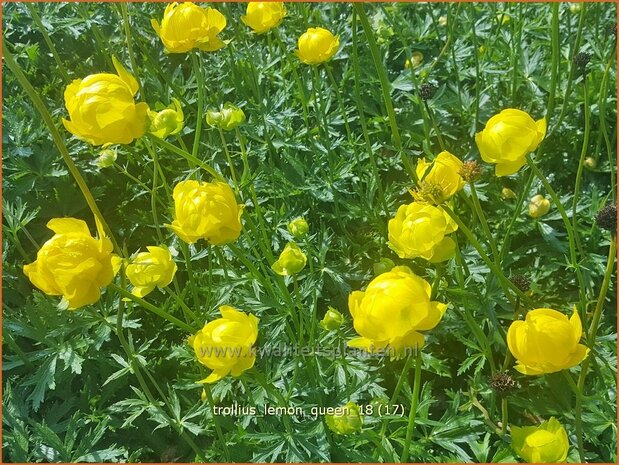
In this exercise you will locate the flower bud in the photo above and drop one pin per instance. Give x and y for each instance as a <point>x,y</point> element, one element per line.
<point>575,7</point>
<point>546,443</point>
<point>106,158</point>
<point>291,261</point>
<point>203,395</point>
<point>507,193</point>
<point>298,227</point>
<point>414,61</point>
<point>590,163</point>
<point>538,206</point>
<point>332,319</point>
<point>347,420</point>
<point>382,266</point>
<point>168,121</point>
<point>227,118</point>
<point>442,21</point>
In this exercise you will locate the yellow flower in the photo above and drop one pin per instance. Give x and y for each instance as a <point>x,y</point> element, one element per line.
<point>204,210</point>
<point>345,420</point>
<point>538,206</point>
<point>393,309</point>
<point>150,269</point>
<point>415,60</point>
<point>102,109</point>
<point>546,342</point>
<point>73,264</point>
<point>441,178</point>
<point>420,230</point>
<point>290,261</point>
<point>507,139</point>
<point>298,227</point>
<point>225,344</point>
<point>442,21</point>
<point>168,121</point>
<point>186,26</point>
<point>507,193</point>
<point>332,319</point>
<point>317,45</point>
<point>546,443</point>
<point>264,16</point>
<point>227,118</point>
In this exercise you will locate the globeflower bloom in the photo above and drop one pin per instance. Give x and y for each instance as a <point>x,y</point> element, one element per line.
<point>546,443</point>
<point>73,264</point>
<point>508,138</point>
<point>345,420</point>
<point>441,178</point>
<point>264,16</point>
<point>225,345</point>
<point>168,121</point>
<point>186,26</point>
<point>393,311</point>
<point>204,210</point>
<point>155,268</point>
<point>227,118</point>
<point>291,261</point>
<point>317,45</point>
<point>546,342</point>
<point>420,230</point>
<point>298,227</point>
<point>538,206</point>
<point>102,109</point>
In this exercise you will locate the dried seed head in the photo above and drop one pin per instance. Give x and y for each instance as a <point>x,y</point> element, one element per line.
<point>429,193</point>
<point>470,171</point>
<point>611,29</point>
<point>427,91</point>
<point>521,282</point>
<point>607,218</point>
<point>502,382</point>
<point>581,59</point>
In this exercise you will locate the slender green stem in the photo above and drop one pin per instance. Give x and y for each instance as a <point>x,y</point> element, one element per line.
<point>597,313</point>
<point>385,87</point>
<point>295,75</point>
<point>413,412</point>
<point>430,113</point>
<point>48,41</point>
<point>127,26</point>
<point>190,275</point>
<point>554,70</point>
<point>603,124</point>
<point>581,163</point>
<point>484,224</point>
<point>197,70</point>
<point>57,138</point>
<point>150,307</point>
<point>504,416</point>
<point>396,392</point>
<point>517,209</point>
<point>230,164</point>
<point>220,435</point>
<point>184,306</point>
<point>300,310</point>
<point>340,102</point>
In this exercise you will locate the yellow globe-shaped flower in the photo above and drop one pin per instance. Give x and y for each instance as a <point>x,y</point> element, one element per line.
<point>546,342</point>
<point>420,230</point>
<point>186,26</point>
<point>102,109</point>
<point>441,178</point>
<point>317,45</point>
<point>264,16</point>
<point>546,443</point>
<point>155,268</point>
<point>391,313</point>
<point>204,210</point>
<point>508,138</point>
<point>225,345</point>
<point>73,264</point>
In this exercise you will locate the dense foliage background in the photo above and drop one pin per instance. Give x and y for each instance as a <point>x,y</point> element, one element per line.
<point>70,390</point>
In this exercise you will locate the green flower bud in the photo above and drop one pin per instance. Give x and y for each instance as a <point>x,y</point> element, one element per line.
<point>382,266</point>
<point>168,121</point>
<point>590,163</point>
<point>332,320</point>
<point>291,260</point>
<point>227,118</point>
<point>298,227</point>
<point>346,420</point>
<point>106,158</point>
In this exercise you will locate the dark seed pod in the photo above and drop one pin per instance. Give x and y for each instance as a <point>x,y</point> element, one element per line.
<point>521,282</point>
<point>427,91</point>
<point>611,29</point>
<point>582,59</point>
<point>607,218</point>
<point>470,171</point>
<point>502,382</point>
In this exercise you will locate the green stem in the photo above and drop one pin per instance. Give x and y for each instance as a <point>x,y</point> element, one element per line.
<point>385,87</point>
<point>517,209</point>
<point>430,113</point>
<point>195,62</point>
<point>150,307</point>
<point>184,306</point>
<point>48,41</point>
<point>554,71</point>
<point>127,26</point>
<point>190,276</point>
<point>220,434</point>
<point>413,412</point>
<point>230,164</point>
<point>57,138</point>
<point>504,416</point>
<point>484,224</point>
